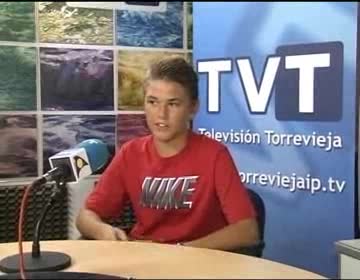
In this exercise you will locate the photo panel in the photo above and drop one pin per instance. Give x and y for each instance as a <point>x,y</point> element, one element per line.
<point>18,146</point>
<point>132,66</point>
<point>17,78</point>
<point>189,58</point>
<point>17,21</point>
<point>147,27</point>
<point>189,25</point>
<point>76,79</point>
<point>80,76</point>
<point>130,126</point>
<point>61,23</point>
<point>62,132</point>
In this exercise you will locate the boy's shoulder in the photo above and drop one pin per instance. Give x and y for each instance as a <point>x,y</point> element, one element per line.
<point>208,143</point>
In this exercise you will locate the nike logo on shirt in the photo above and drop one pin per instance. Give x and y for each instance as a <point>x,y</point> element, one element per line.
<point>168,192</point>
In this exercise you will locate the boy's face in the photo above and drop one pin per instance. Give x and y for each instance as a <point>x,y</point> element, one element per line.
<point>168,109</point>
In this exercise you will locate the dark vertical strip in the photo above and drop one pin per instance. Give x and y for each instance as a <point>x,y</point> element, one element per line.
<point>356,181</point>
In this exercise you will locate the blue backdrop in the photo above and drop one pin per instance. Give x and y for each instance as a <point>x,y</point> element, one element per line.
<point>296,148</point>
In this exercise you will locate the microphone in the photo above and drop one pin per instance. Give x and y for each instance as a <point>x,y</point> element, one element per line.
<point>68,166</point>
<point>77,163</point>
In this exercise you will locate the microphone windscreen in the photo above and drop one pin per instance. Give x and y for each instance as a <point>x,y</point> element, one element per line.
<point>97,152</point>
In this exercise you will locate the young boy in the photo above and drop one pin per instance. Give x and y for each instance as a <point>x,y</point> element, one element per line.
<point>184,187</point>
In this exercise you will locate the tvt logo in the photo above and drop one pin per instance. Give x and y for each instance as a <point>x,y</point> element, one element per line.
<point>306,79</point>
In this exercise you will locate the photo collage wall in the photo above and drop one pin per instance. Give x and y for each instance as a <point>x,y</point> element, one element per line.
<point>70,73</point>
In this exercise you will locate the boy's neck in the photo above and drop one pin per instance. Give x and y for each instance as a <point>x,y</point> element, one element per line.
<point>173,147</point>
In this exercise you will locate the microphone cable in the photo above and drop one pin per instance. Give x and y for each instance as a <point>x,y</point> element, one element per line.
<point>20,228</point>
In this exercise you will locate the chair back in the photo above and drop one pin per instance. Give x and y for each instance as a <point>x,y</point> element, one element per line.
<point>256,250</point>
<point>260,209</point>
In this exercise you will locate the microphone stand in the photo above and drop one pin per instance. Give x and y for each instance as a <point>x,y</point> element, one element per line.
<point>37,260</point>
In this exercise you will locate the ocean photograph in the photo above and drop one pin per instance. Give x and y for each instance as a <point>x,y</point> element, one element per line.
<point>132,66</point>
<point>130,126</point>
<point>18,146</point>
<point>18,78</point>
<point>76,79</point>
<point>17,21</point>
<point>151,28</point>
<point>60,23</point>
<point>66,131</point>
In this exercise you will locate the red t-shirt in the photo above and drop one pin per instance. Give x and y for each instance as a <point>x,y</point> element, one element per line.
<point>175,199</point>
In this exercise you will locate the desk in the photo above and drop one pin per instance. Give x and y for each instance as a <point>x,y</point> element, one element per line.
<point>151,260</point>
<point>349,258</point>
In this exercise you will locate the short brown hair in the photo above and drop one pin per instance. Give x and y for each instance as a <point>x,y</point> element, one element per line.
<point>175,69</point>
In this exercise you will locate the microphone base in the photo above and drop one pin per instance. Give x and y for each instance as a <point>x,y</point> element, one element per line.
<point>47,261</point>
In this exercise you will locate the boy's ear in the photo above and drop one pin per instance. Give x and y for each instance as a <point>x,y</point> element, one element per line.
<point>195,109</point>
